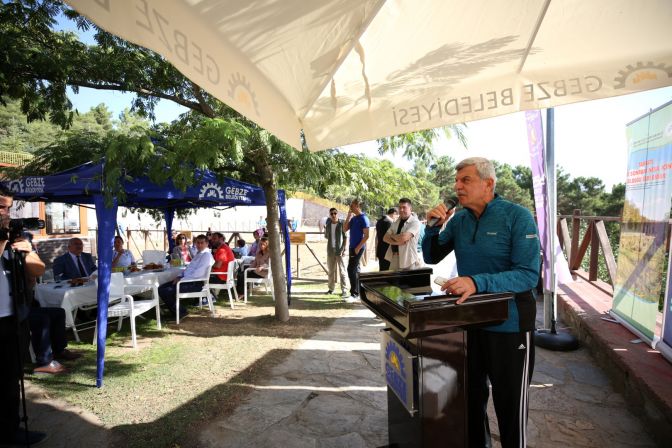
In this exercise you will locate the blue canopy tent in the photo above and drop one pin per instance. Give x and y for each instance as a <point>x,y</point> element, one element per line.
<point>83,185</point>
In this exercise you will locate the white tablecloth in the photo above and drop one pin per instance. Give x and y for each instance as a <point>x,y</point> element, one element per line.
<point>65,296</point>
<point>70,298</point>
<point>149,278</point>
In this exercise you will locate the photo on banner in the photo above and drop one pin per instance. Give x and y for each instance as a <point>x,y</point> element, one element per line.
<point>644,232</point>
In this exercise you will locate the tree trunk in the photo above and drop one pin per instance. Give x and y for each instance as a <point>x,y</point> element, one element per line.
<point>265,172</point>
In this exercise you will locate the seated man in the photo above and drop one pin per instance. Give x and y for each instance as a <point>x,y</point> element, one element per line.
<point>198,268</point>
<point>223,256</point>
<point>47,334</point>
<point>241,249</point>
<point>75,263</point>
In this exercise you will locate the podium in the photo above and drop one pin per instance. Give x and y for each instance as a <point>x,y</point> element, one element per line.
<point>424,354</point>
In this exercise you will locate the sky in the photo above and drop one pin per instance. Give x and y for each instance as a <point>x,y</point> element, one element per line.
<point>589,137</point>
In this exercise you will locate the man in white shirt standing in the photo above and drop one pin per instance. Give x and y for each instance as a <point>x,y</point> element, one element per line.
<point>402,236</point>
<point>198,268</point>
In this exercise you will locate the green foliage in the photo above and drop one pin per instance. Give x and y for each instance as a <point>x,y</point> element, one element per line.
<point>19,135</point>
<point>419,145</point>
<point>443,175</point>
<point>508,188</point>
<point>378,183</point>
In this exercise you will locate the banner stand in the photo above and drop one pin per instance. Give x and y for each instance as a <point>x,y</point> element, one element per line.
<point>664,350</point>
<point>651,342</point>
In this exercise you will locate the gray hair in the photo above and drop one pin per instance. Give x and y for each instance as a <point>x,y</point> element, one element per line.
<point>484,168</point>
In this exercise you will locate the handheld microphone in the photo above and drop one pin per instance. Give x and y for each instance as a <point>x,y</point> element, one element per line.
<point>450,204</point>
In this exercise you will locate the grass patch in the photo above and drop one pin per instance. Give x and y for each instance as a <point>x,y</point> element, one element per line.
<point>183,376</point>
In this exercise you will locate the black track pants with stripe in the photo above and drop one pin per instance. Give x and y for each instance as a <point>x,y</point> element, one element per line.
<point>507,360</point>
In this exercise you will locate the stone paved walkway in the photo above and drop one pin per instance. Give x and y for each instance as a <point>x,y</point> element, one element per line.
<point>330,393</point>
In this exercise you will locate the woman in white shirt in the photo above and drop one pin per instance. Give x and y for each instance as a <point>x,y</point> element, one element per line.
<point>123,258</point>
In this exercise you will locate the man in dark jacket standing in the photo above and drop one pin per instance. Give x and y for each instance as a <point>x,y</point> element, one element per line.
<point>497,250</point>
<point>382,226</point>
<point>336,244</point>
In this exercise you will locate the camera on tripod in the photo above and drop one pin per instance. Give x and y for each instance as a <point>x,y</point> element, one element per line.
<point>18,226</point>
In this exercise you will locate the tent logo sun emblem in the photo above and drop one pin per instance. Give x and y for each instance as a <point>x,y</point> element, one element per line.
<point>642,73</point>
<point>211,191</point>
<point>241,91</point>
<point>16,186</point>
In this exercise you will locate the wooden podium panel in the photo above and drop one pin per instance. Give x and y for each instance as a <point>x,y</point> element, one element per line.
<point>430,330</point>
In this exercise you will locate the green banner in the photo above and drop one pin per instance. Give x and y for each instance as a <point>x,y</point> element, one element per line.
<point>641,259</point>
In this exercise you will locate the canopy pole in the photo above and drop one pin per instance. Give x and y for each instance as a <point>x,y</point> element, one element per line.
<point>107,224</point>
<point>168,215</point>
<point>285,231</point>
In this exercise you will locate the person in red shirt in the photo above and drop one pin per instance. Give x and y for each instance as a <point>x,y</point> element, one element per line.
<point>223,256</point>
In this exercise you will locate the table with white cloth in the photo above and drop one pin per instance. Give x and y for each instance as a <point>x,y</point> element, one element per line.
<point>68,297</point>
<point>141,281</point>
<point>72,297</point>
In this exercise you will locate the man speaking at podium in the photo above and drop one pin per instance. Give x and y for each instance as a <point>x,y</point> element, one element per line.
<point>497,250</point>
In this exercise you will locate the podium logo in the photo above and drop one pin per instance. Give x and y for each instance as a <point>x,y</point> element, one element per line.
<point>395,371</point>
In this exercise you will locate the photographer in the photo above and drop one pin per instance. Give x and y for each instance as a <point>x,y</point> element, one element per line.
<point>13,312</point>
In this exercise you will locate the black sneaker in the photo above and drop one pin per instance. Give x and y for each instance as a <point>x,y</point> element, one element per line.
<point>330,291</point>
<point>19,439</point>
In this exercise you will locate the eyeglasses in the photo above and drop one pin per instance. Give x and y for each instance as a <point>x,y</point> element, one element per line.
<point>333,213</point>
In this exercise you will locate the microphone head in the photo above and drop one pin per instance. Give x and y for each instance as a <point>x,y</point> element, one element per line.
<point>452,202</point>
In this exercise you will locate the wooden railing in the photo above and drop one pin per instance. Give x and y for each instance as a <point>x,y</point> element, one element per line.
<point>595,237</point>
<point>8,158</point>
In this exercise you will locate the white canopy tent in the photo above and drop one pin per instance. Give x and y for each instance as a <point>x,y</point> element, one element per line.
<point>347,71</point>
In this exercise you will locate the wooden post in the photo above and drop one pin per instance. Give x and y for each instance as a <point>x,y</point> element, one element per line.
<point>565,240</point>
<point>581,251</point>
<point>606,250</point>
<point>576,227</point>
<point>594,252</point>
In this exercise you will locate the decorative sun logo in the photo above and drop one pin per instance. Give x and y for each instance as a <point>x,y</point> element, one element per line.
<point>393,356</point>
<point>211,191</point>
<point>241,91</point>
<point>642,72</point>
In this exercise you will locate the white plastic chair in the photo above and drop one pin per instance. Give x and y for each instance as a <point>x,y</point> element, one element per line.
<point>153,256</point>
<point>128,307</point>
<point>266,281</point>
<point>230,283</point>
<point>203,293</point>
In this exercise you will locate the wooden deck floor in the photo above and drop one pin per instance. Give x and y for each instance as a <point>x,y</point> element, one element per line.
<point>642,374</point>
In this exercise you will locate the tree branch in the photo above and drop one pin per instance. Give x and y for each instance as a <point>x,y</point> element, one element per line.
<point>120,87</point>
<point>205,107</point>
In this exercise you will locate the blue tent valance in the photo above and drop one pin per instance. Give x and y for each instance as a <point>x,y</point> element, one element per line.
<point>83,185</point>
